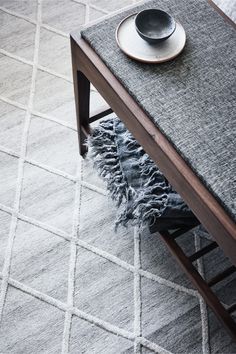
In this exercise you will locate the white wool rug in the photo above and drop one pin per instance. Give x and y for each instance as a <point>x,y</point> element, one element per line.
<point>68,282</point>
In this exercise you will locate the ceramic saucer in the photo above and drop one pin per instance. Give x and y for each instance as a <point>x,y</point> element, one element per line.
<point>136,48</point>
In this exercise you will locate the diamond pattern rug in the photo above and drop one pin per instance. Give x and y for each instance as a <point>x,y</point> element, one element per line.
<point>68,282</point>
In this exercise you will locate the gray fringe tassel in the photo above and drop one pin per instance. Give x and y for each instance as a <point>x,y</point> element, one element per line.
<point>103,152</point>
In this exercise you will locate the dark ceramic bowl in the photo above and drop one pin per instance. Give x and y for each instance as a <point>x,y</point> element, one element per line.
<point>154,25</point>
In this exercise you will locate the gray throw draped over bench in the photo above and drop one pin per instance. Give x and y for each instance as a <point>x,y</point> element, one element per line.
<point>142,193</point>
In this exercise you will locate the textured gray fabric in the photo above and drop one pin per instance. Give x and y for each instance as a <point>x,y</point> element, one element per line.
<point>140,190</point>
<point>190,99</point>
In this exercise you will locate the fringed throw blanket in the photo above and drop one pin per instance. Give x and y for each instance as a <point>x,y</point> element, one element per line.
<point>142,193</point>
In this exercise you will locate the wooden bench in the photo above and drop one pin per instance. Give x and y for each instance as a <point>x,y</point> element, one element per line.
<point>90,67</point>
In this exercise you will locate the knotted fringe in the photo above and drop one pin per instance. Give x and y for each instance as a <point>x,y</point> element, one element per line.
<point>134,182</point>
<point>152,200</point>
<point>104,154</point>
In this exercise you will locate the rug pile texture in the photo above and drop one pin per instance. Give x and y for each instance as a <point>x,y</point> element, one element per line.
<point>68,282</point>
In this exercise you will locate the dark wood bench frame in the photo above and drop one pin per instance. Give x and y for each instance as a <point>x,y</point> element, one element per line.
<point>89,68</point>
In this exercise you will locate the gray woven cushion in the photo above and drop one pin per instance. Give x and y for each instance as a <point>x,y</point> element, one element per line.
<point>191,99</point>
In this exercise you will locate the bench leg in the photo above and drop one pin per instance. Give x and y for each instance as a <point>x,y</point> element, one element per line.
<point>201,284</point>
<point>82,100</point>
<point>82,103</point>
